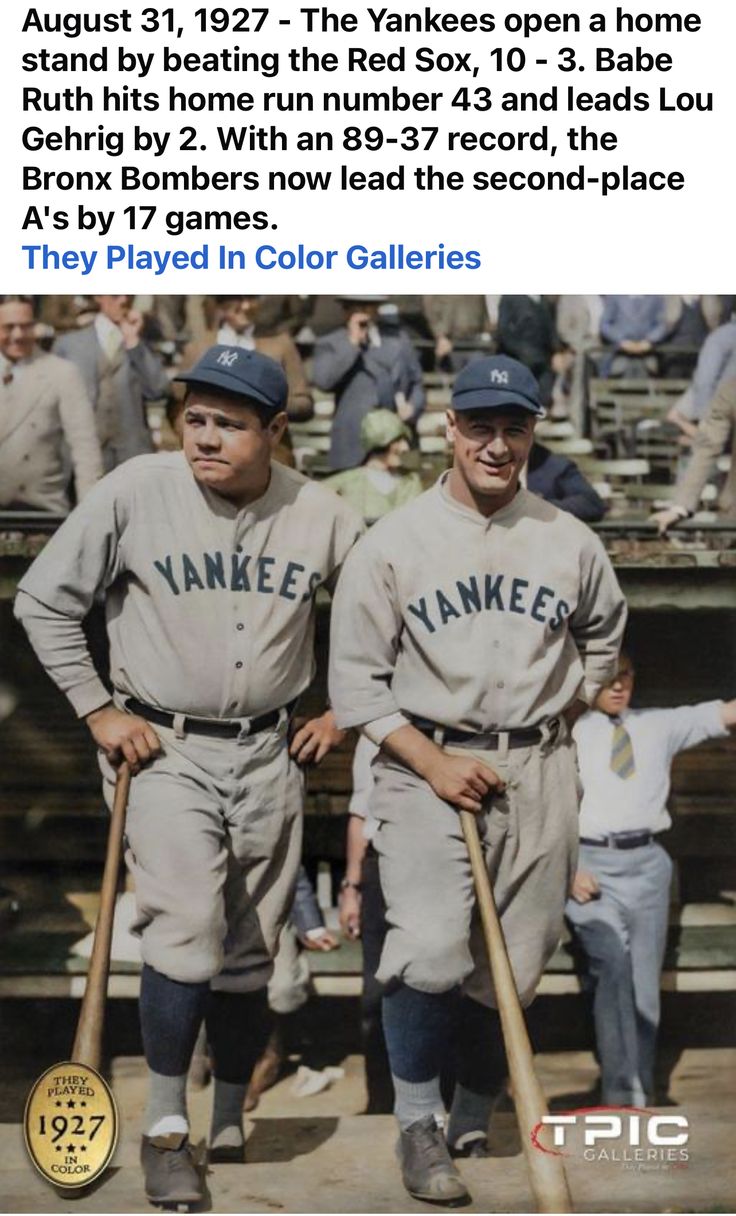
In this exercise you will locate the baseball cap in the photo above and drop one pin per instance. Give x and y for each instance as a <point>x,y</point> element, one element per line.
<point>495,381</point>
<point>380,428</point>
<point>243,373</point>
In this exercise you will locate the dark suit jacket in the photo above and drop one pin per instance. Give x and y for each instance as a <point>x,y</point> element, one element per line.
<point>559,480</point>
<point>363,378</point>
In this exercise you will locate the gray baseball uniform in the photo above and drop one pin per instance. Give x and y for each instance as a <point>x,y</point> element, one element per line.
<point>210,613</point>
<point>480,625</point>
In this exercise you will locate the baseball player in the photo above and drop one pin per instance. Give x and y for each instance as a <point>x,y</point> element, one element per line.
<point>210,560</point>
<point>468,621</point>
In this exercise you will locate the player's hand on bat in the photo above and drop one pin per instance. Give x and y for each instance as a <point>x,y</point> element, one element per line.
<point>463,781</point>
<point>326,941</point>
<point>315,739</point>
<point>123,736</point>
<point>584,887</point>
<point>349,905</point>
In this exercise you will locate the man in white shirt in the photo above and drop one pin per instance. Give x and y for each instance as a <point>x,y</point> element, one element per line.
<point>620,895</point>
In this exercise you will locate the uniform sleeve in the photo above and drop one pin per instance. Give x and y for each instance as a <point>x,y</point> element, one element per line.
<point>80,430</point>
<point>58,591</point>
<point>348,528</point>
<point>598,623</point>
<point>689,725</point>
<point>365,629</point>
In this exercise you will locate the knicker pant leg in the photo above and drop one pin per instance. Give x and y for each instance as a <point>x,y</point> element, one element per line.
<point>426,882</point>
<point>264,823</point>
<point>176,852</point>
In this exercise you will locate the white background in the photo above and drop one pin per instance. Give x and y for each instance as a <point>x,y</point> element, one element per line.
<point>548,242</point>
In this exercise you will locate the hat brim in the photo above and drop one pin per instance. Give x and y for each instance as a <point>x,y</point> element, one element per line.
<point>495,399</point>
<point>226,383</point>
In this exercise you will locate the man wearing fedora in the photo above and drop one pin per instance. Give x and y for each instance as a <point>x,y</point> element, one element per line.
<point>367,362</point>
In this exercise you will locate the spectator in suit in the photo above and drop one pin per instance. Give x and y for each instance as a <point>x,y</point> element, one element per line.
<point>633,326</point>
<point>121,373</point>
<point>559,480</point>
<point>526,331</point>
<point>368,362</point>
<point>714,437</point>
<point>454,320</point>
<point>47,426</point>
<point>620,894</point>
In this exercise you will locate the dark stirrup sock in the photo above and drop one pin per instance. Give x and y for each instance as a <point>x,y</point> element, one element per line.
<point>171,1014</point>
<point>481,1071</point>
<point>239,1025</point>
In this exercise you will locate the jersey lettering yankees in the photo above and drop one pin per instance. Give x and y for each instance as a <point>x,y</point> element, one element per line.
<point>210,608</point>
<point>474,623</point>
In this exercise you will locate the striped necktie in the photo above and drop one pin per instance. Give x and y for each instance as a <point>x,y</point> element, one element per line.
<point>622,752</point>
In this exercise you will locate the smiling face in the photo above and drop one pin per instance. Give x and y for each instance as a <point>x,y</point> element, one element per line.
<point>616,696</point>
<point>227,445</point>
<point>490,448</point>
<point>16,330</point>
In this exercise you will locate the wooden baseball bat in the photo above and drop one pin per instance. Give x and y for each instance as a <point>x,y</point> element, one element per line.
<point>87,1047</point>
<point>546,1171</point>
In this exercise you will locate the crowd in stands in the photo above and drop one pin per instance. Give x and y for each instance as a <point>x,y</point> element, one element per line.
<point>87,384</point>
<point>634,385</point>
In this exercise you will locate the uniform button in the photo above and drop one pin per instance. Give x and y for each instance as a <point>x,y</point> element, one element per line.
<point>240,625</point>
<point>496,644</point>
<point>500,684</point>
<point>238,664</point>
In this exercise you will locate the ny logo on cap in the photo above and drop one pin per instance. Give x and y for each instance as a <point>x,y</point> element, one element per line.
<point>498,377</point>
<point>228,357</point>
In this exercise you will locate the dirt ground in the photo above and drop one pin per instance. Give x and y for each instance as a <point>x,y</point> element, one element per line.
<point>319,1154</point>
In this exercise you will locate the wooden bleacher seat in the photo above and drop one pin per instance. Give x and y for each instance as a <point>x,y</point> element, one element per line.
<point>618,406</point>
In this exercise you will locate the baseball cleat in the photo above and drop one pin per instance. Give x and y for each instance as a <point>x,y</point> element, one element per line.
<point>427,1169</point>
<point>170,1175</point>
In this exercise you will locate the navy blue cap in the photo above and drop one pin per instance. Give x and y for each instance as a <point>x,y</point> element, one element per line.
<point>243,373</point>
<point>495,381</point>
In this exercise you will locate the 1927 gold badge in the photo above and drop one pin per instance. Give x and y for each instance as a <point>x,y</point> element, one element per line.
<point>70,1125</point>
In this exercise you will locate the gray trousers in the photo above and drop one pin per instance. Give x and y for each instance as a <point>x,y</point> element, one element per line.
<point>530,843</point>
<point>623,935</point>
<point>213,835</point>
